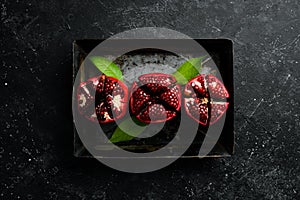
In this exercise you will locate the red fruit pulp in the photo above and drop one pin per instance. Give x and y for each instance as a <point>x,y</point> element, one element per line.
<point>102,99</point>
<point>155,98</point>
<point>86,98</point>
<point>205,99</point>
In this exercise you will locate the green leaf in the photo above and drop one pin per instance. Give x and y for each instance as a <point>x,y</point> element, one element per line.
<point>107,67</point>
<point>131,125</point>
<point>188,70</point>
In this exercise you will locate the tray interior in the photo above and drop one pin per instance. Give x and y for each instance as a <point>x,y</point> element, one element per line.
<point>220,51</point>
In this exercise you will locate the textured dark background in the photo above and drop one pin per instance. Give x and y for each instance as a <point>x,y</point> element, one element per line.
<point>36,124</point>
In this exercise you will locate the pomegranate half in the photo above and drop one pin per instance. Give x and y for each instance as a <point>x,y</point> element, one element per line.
<point>102,99</point>
<point>205,99</point>
<point>155,98</point>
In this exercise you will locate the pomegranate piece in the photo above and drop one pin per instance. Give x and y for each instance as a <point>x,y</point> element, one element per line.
<point>111,99</point>
<point>197,87</point>
<point>217,110</point>
<point>102,99</point>
<point>197,109</point>
<point>204,96</point>
<point>155,98</point>
<point>216,87</point>
<point>86,98</point>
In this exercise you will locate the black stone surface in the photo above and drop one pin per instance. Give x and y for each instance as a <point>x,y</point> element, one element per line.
<point>36,123</point>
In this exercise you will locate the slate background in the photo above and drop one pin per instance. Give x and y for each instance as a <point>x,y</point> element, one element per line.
<point>36,123</point>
